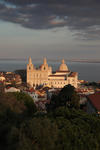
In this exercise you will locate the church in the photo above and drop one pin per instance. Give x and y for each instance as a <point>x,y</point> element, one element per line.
<point>44,75</point>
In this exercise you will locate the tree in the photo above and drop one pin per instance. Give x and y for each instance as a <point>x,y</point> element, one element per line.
<point>28,102</point>
<point>66,97</point>
<point>15,108</point>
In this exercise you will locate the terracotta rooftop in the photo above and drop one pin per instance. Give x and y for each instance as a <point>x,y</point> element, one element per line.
<point>95,100</point>
<point>31,90</point>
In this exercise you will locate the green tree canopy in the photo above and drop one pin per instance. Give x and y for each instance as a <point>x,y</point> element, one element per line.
<point>18,102</point>
<point>66,97</point>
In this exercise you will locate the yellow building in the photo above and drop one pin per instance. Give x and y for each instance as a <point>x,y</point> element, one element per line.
<point>44,76</point>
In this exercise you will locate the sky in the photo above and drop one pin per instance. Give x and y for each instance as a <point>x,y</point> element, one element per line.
<point>55,29</point>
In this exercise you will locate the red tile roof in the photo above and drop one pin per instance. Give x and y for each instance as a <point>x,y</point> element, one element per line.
<point>31,90</point>
<point>95,100</point>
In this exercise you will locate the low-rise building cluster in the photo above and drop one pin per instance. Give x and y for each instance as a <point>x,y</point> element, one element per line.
<point>51,84</point>
<point>9,78</point>
<point>37,95</point>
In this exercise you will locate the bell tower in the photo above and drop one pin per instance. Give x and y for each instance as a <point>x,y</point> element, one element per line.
<point>30,68</point>
<point>45,61</point>
<point>30,60</point>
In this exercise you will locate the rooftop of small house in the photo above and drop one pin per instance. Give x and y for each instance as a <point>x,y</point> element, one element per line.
<point>94,99</point>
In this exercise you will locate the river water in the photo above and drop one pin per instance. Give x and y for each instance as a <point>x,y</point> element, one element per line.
<point>86,71</point>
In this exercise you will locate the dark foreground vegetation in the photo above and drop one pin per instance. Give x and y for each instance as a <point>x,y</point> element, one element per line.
<point>64,127</point>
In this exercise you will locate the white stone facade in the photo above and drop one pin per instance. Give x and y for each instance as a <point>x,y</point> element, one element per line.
<point>44,76</point>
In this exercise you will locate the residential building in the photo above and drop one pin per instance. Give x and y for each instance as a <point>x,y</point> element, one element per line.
<point>93,103</point>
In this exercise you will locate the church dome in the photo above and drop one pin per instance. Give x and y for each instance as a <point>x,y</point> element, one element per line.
<point>63,66</point>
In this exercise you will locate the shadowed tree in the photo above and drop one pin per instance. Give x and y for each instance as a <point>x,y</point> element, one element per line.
<point>67,97</point>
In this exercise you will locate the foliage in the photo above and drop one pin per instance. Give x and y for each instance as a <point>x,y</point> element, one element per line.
<point>18,102</point>
<point>66,97</point>
<point>28,102</point>
<point>14,109</point>
<point>64,128</point>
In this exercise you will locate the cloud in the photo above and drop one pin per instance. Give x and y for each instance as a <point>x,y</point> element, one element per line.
<point>70,2</point>
<point>81,17</point>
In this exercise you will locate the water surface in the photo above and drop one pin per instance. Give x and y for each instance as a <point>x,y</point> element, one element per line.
<point>86,71</point>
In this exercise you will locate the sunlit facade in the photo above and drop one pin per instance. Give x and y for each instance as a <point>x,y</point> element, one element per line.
<point>44,76</point>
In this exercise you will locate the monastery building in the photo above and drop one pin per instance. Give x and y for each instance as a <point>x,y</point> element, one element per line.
<point>44,76</point>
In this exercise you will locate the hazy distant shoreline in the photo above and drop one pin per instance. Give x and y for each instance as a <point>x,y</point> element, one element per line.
<point>87,70</point>
<point>54,60</point>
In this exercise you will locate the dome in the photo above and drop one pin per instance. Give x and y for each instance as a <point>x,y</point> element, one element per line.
<point>63,66</point>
